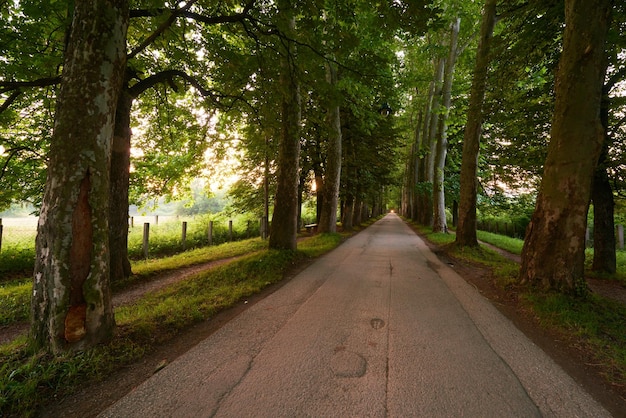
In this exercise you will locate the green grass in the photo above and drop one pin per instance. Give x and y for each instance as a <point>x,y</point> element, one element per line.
<point>18,254</point>
<point>512,245</point>
<point>29,379</point>
<point>14,301</point>
<point>15,295</point>
<point>143,269</point>
<point>594,322</point>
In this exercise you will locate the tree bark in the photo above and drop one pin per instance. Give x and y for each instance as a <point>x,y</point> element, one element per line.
<point>421,201</point>
<point>284,226</point>
<point>554,250</point>
<point>604,257</point>
<point>428,148</point>
<point>348,213</point>
<point>466,230</point>
<point>357,214</point>
<point>332,177</point>
<point>120,179</point>
<point>319,192</point>
<point>414,174</point>
<point>71,301</point>
<point>439,202</point>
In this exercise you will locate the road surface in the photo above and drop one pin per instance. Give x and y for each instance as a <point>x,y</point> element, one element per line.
<point>379,327</point>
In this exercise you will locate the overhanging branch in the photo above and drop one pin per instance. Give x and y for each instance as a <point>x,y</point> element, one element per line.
<point>168,76</point>
<point>6,86</point>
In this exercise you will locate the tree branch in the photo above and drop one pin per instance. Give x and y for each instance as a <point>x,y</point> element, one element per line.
<point>15,85</point>
<point>12,153</point>
<point>614,79</point>
<point>10,100</point>
<point>167,76</point>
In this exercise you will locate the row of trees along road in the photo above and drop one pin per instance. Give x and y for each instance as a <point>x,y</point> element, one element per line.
<point>297,88</point>
<point>525,83</point>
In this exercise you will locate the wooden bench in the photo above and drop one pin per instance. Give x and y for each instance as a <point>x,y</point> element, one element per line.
<point>310,228</point>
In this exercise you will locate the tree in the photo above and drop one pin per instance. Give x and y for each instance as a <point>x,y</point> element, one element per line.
<point>71,303</point>
<point>186,152</point>
<point>553,253</point>
<point>439,208</point>
<point>604,256</point>
<point>466,229</point>
<point>332,177</point>
<point>285,217</point>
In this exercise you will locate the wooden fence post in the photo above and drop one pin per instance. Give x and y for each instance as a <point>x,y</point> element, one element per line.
<point>620,236</point>
<point>184,237</point>
<point>210,232</point>
<point>146,239</point>
<point>230,230</point>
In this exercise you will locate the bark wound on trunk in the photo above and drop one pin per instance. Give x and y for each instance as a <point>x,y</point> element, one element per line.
<point>80,263</point>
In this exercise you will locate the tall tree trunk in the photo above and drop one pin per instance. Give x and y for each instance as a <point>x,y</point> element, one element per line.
<point>466,230</point>
<point>429,146</point>
<point>266,190</point>
<point>319,192</point>
<point>120,178</point>
<point>604,257</point>
<point>421,205</point>
<point>414,175</point>
<point>285,217</point>
<point>554,250</point>
<point>71,301</point>
<point>332,178</point>
<point>357,216</point>
<point>348,213</point>
<point>439,202</point>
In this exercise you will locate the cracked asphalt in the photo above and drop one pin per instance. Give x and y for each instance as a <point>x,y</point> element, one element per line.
<point>379,327</point>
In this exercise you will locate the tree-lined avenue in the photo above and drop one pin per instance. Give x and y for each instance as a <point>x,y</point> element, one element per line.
<point>378,327</point>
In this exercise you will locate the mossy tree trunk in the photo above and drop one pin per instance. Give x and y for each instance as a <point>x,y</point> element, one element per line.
<point>71,302</point>
<point>554,250</point>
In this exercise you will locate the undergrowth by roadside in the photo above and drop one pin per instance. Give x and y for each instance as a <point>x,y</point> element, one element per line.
<point>593,323</point>
<point>30,378</point>
<point>15,294</point>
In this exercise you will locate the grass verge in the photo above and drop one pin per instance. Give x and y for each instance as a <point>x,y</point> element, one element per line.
<point>29,379</point>
<point>15,295</point>
<point>594,323</point>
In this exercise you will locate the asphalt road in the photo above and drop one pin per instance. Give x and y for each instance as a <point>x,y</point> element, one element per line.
<point>377,328</point>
